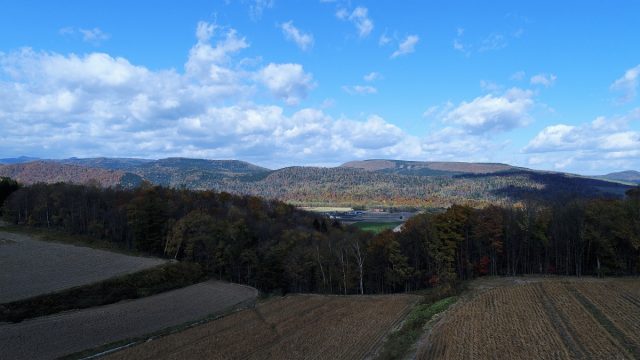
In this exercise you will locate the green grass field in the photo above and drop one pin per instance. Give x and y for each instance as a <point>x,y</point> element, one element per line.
<point>376,227</point>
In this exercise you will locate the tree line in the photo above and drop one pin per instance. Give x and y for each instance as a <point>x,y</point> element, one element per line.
<point>277,248</point>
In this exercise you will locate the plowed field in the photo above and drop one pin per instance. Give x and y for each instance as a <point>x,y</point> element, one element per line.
<point>293,327</point>
<point>546,319</point>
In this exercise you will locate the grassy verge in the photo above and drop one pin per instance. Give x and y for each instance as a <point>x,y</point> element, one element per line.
<point>376,227</point>
<point>132,286</point>
<point>400,342</point>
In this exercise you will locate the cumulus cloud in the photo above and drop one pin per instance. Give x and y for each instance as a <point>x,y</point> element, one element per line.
<point>545,80</point>
<point>291,33</point>
<point>359,89</point>
<point>605,135</point>
<point>491,113</point>
<point>287,81</point>
<point>627,85</point>
<point>360,19</point>
<point>407,46</point>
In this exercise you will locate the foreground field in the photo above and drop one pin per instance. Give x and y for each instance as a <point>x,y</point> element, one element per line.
<point>58,335</point>
<point>293,327</point>
<point>32,267</point>
<point>542,319</point>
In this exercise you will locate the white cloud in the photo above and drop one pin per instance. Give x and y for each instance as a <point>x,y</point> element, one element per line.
<point>291,33</point>
<point>407,46</point>
<point>287,81</point>
<point>492,113</point>
<point>490,86</point>
<point>93,36</point>
<point>543,79</point>
<point>384,40</point>
<point>203,57</point>
<point>359,17</point>
<point>257,7</point>
<point>359,89</point>
<point>604,144</point>
<point>372,76</point>
<point>627,85</point>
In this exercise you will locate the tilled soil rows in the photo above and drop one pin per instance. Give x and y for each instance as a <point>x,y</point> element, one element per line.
<point>293,327</point>
<point>549,319</point>
<point>70,332</point>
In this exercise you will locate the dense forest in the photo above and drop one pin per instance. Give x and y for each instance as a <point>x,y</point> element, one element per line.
<point>278,248</point>
<point>375,183</point>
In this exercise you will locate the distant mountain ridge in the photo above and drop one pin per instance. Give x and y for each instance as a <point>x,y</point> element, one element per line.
<point>630,176</point>
<point>429,168</point>
<point>376,182</point>
<point>51,172</point>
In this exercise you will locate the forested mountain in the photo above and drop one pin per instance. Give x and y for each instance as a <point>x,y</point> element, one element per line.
<point>629,176</point>
<point>428,168</point>
<point>391,183</point>
<point>275,247</point>
<point>51,172</point>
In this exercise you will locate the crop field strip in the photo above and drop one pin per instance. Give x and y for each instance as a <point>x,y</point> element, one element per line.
<point>293,327</point>
<point>551,319</point>
<point>32,267</point>
<point>75,331</point>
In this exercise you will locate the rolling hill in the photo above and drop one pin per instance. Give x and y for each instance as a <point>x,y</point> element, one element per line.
<point>629,176</point>
<point>370,183</point>
<point>52,172</point>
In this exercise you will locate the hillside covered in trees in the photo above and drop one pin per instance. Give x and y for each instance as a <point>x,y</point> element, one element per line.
<point>373,183</point>
<point>275,247</point>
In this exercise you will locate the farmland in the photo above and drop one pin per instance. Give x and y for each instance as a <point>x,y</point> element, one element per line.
<point>70,332</point>
<point>31,267</point>
<point>376,227</point>
<point>541,319</point>
<point>292,327</point>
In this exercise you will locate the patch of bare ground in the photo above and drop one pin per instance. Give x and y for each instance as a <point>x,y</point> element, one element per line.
<point>33,267</point>
<point>292,327</point>
<point>540,318</point>
<point>70,332</point>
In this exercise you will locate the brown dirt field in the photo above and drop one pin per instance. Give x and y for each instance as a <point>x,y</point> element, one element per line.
<point>540,318</point>
<point>31,267</point>
<point>58,335</point>
<point>292,327</point>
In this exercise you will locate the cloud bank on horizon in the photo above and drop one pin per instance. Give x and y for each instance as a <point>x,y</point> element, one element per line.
<point>226,100</point>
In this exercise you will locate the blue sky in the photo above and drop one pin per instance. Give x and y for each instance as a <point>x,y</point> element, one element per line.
<point>541,84</point>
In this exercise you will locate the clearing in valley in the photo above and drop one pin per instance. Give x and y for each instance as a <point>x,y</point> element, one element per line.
<point>292,327</point>
<point>541,319</point>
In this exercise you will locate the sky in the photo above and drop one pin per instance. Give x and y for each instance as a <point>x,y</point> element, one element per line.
<point>548,85</point>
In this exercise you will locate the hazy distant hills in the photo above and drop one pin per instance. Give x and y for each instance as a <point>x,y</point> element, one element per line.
<point>629,176</point>
<point>356,183</point>
<point>53,172</point>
